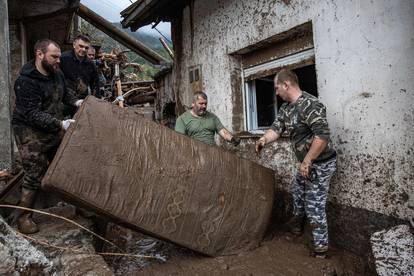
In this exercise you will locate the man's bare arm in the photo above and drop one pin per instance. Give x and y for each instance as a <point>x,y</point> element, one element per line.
<point>225,134</point>
<point>269,136</point>
<point>316,148</point>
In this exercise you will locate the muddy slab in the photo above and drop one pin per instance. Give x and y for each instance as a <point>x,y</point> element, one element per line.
<point>152,179</point>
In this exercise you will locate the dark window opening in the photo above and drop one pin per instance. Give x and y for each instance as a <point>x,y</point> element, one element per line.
<point>268,104</point>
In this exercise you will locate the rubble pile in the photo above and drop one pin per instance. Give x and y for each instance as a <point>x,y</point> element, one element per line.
<point>58,248</point>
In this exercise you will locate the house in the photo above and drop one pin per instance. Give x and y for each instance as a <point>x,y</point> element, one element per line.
<point>22,23</point>
<point>355,56</point>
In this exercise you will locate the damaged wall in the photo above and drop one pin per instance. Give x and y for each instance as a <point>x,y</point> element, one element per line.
<point>5,129</point>
<point>365,77</point>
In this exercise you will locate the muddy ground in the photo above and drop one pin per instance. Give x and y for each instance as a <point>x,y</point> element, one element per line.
<point>280,254</point>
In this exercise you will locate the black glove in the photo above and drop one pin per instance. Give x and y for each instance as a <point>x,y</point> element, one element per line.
<point>235,141</point>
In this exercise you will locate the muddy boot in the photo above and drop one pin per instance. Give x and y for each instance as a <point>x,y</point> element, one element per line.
<point>295,225</point>
<point>320,252</point>
<point>24,221</point>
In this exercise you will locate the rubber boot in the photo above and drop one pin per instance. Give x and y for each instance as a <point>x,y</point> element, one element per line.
<point>25,223</point>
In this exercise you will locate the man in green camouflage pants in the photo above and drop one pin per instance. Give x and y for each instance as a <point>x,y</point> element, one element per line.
<point>303,118</point>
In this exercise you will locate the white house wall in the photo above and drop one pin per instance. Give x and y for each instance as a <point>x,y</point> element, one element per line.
<point>365,72</point>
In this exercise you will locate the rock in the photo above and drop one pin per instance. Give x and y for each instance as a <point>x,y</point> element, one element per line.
<point>7,261</point>
<point>27,258</point>
<point>393,251</point>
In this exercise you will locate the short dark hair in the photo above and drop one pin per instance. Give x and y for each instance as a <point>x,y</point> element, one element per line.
<point>199,95</point>
<point>82,37</point>
<point>287,75</point>
<point>43,44</point>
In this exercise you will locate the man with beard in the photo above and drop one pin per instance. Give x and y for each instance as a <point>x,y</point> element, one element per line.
<point>38,122</point>
<point>80,71</point>
<point>201,125</point>
<point>303,118</point>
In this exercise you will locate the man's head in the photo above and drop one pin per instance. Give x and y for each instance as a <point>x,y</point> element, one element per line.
<point>81,44</point>
<point>91,53</point>
<point>47,55</point>
<point>199,104</point>
<point>286,85</point>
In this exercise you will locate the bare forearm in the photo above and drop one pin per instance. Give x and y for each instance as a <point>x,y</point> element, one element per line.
<point>225,134</point>
<point>317,147</point>
<point>270,136</point>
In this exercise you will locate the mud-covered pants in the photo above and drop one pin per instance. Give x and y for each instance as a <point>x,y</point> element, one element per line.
<point>309,197</point>
<point>37,149</point>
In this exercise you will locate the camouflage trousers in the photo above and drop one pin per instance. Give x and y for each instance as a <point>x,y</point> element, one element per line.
<point>36,149</point>
<point>309,198</point>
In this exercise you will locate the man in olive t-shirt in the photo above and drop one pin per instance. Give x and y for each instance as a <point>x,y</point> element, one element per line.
<point>202,125</point>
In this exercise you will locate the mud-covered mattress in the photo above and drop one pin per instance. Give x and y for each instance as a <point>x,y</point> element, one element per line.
<point>147,177</point>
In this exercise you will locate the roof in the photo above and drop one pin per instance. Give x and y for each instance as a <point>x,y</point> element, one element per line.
<point>144,12</point>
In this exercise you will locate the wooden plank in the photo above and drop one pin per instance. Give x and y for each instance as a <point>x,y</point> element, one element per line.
<point>11,185</point>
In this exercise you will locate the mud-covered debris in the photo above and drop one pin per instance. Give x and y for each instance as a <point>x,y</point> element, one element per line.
<point>393,251</point>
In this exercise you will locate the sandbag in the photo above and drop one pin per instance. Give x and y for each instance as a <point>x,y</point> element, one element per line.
<point>150,178</point>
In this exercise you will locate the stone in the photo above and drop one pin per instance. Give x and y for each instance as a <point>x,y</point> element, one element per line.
<point>393,251</point>
<point>7,261</point>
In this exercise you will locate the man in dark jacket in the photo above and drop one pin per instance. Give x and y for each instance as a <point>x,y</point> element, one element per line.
<point>80,72</point>
<point>38,121</point>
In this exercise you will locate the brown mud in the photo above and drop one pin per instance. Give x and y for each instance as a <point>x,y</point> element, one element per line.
<point>279,254</point>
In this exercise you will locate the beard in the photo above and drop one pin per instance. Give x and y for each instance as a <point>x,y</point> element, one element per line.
<point>48,67</point>
<point>200,111</point>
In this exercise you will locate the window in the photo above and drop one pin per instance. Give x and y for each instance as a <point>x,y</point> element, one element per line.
<point>261,102</point>
<point>292,49</point>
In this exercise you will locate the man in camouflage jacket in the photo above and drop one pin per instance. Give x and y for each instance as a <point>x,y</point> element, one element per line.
<point>303,118</point>
<point>38,122</point>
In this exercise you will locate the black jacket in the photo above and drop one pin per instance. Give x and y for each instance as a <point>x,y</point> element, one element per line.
<point>40,99</point>
<point>80,74</point>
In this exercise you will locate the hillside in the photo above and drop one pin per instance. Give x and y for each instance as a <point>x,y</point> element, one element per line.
<point>107,43</point>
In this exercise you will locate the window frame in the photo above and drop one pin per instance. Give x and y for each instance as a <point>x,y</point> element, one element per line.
<point>292,61</point>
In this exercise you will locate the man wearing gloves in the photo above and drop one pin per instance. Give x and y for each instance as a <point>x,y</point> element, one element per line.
<point>38,122</point>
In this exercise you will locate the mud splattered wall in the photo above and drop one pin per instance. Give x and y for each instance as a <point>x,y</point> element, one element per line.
<point>365,77</point>
<point>5,129</point>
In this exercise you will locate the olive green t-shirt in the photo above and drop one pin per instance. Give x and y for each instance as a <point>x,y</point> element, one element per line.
<point>200,128</point>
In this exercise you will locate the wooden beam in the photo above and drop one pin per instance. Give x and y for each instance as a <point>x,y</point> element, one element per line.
<point>120,36</point>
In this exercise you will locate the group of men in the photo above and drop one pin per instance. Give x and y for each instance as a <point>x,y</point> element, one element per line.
<point>303,118</point>
<point>48,91</point>
<point>53,80</point>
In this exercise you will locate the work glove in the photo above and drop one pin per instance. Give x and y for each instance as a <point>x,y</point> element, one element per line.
<point>66,123</point>
<point>120,98</point>
<point>235,141</point>
<point>78,103</point>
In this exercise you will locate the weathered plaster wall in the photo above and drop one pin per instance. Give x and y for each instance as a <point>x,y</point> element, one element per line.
<point>5,129</point>
<point>365,72</point>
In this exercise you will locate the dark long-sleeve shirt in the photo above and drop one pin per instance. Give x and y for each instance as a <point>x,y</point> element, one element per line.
<point>80,74</point>
<point>40,99</point>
